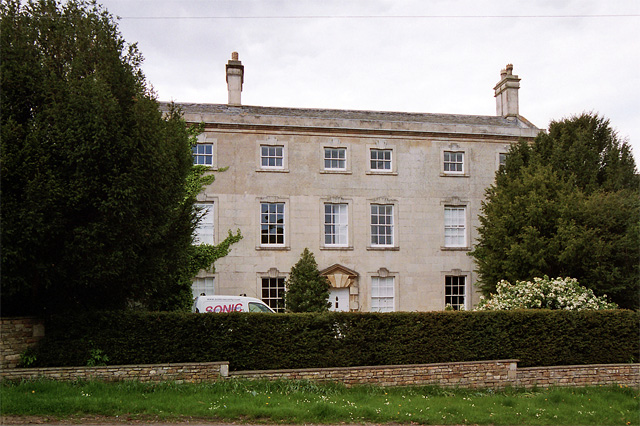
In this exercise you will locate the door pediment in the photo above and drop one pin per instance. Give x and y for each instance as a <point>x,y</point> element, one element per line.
<point>339,276</point>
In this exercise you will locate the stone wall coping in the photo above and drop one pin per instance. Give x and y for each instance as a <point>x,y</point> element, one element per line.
<point>19,317</point>
<point>3,319</point>
<point>577,366</point>
<point>122,366</point>
<point>374,367</point>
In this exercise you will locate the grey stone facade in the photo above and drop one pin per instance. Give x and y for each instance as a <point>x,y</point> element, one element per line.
<point>388,202</point>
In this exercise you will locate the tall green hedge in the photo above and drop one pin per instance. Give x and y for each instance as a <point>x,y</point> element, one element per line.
<point>264,341</point>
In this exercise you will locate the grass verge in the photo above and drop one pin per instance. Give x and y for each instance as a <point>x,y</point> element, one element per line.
<point>298,402</point>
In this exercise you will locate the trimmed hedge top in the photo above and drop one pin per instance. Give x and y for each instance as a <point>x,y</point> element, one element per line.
<point>263,341</point>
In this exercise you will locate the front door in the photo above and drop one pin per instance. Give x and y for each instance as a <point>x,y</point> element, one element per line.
<point>339,298</point>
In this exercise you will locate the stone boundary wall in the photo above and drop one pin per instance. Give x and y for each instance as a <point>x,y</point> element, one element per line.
<point>479,374</point>
<point>195,372</point>
<point>16,335</point>
<point>580,375</point>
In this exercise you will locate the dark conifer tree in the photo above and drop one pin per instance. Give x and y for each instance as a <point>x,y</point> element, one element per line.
<point>565,206</point>
<point>96,213</point>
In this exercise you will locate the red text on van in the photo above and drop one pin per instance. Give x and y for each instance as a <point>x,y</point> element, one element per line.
<point>225,308</point>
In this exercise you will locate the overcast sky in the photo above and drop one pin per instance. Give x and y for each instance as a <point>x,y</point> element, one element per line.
<point>433,56</point>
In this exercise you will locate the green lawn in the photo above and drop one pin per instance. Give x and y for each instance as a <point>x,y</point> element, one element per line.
<point>307,402</point>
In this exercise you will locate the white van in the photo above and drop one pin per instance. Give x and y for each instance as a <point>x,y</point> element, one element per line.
<point>219,304</point>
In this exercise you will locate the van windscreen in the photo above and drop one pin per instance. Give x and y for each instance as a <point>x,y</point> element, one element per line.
<point>258,307</point>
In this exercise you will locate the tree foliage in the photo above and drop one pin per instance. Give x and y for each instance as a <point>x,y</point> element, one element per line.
<point>544,293</point>
<point>195,257</point>
<point>96,212</point>
<point>566,205</point>
<point>307,290</point>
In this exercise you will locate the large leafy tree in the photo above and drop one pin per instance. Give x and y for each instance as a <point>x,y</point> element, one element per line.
<point>307,290</point>
<point>566,205</point>
<point>190,257</point>
<point>96,211</point>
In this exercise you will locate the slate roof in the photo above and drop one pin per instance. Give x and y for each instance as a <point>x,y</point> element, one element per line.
<point>335,114</point>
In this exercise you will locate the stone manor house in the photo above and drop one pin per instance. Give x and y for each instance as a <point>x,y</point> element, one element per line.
<point>388,202</point>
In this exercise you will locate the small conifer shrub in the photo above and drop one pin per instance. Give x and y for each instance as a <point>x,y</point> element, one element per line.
<point>307,290</point>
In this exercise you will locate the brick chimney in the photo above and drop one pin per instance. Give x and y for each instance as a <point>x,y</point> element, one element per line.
<point>506,93</point>
<point>235,78</point>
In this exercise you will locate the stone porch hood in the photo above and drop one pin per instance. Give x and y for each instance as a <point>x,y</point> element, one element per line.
<point>237,117</point>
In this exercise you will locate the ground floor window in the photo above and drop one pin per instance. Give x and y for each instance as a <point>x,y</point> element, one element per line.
<point>382,290</point>
<point>273,293</point>
<point>203,286</point>
<point>455,291</point>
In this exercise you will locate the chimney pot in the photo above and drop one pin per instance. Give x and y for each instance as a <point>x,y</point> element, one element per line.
<point>510,69</point>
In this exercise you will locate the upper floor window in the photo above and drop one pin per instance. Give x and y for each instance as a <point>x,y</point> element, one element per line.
<point>272,224</point>
<point>336,225</point>
<point>272,156</point>
<point>453,162</point>
<point>203,154</point>
<point>382,294</point>
<point>335,158</point>
<point>205,230</point>
<point>502,159</point>
<point>380,159</point>
<point>455,291</point>
<point>455,232</point>
<point>382,224</point>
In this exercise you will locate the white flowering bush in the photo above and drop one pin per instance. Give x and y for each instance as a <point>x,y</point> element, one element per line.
<point>544,293</point>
